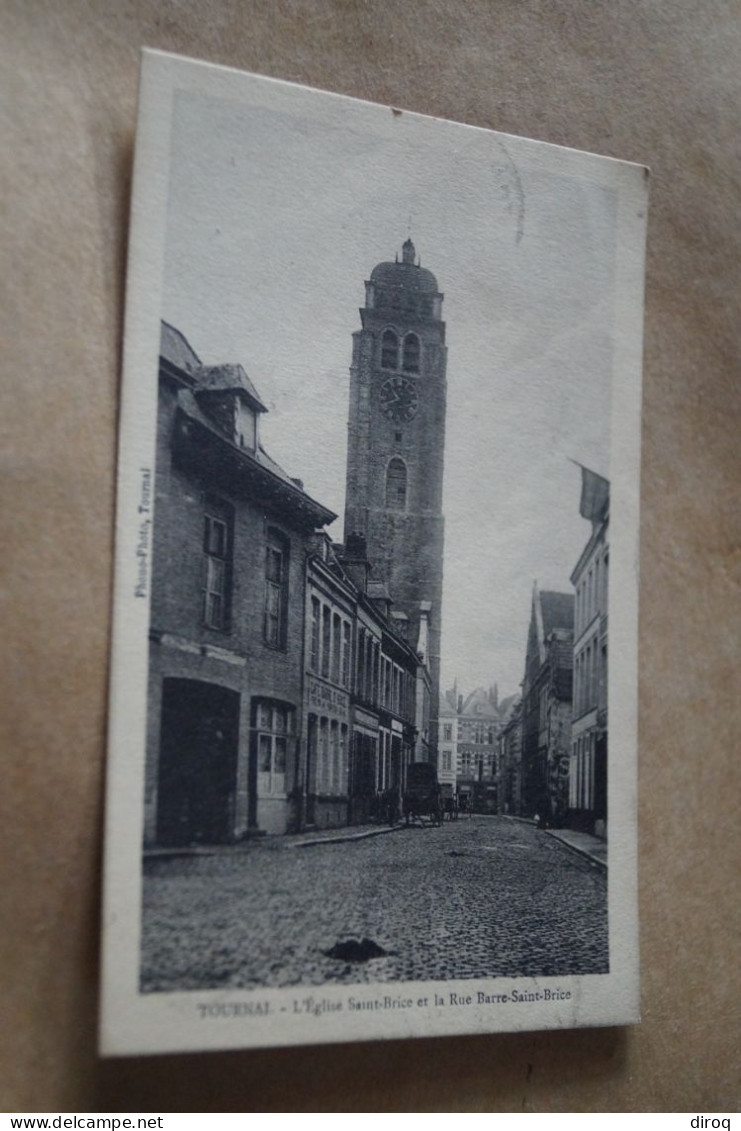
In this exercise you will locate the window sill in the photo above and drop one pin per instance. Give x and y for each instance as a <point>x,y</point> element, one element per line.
<point>274,647</point>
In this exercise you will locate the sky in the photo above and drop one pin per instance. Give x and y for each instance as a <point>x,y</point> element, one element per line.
<point>276,219</point>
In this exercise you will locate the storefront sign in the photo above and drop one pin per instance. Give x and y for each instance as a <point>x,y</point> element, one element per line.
<point>321,696</point>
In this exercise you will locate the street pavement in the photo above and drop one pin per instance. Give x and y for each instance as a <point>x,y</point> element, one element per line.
<point>477,898</point>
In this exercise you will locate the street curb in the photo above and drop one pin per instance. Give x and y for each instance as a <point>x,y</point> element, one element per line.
<point>340,839</point>
<point>602,864</point>
<point>278,843</point>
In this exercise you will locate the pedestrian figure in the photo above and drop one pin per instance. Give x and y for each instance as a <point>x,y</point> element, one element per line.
<point>391,806</point>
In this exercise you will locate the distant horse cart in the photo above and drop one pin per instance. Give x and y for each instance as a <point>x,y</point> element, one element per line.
<point>422,797</point>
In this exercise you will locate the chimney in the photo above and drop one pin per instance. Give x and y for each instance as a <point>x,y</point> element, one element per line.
<point>425,608</point>
<point>354,560</point>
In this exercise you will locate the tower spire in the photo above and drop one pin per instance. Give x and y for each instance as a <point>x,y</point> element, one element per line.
<point>408,251</point>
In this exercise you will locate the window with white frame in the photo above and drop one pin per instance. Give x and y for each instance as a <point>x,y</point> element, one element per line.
<point>217,550</point>
<point>342,783</point>
<point>360,664</point>
<point>274,729</point>
<point>346,653</point>
<point>333,774</point>
<point>368,686</point>
<point>326,639</point>
<point>276,588</point>
<point>246,426</point>
<point>336,647</point>
<point>316,628</point>
<point>323,756</point>
<point>332,757</point>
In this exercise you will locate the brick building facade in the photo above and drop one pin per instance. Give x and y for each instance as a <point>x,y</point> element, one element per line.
<point>509,750</point>
<point>477,762</point>
<point>227,612</point>
<point>588,768</point>
<point>447,740</point>
<point>546,706</point>
<point>284,690</point>
<point>390,696</point>
<point>331,601</point>
<point>471,751</point>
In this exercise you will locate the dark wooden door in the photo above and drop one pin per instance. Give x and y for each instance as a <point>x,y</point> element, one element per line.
<point>198,763</point>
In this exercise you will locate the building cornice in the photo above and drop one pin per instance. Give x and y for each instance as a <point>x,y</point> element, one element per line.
<point>598,535</point>
<point>200,445</point>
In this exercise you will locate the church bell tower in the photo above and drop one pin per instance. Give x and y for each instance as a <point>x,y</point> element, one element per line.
<point>396,441</point>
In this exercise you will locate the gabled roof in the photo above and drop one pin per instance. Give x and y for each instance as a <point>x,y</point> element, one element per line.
<point>241,460</point>
<point>452,696</point>
<point>189,404</point>
<point>513,712</point>
<point>177,352</point>
<point>448,708</point>
<point>479,704</point>
<point>508,706</point>
<point>551,612</point>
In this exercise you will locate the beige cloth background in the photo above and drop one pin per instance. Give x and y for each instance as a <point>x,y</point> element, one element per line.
<point>654,82</point>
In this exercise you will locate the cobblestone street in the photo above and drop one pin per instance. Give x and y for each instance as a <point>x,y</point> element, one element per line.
<point>482,897</point>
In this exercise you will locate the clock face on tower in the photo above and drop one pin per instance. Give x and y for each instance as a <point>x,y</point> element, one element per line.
<point>399,398</point>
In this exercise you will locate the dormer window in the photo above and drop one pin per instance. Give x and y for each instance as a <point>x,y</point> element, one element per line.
<point>227,396</point>
<point>411,353</point>
<point>389,350</point>
<point>245,425</point>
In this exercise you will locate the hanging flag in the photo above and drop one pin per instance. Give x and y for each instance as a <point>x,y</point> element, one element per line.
<point>595,493</point>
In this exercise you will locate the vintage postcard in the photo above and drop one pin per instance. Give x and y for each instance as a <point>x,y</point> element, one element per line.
<point>374,677</point>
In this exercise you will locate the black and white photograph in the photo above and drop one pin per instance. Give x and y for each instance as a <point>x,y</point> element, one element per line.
<point>373,701</point>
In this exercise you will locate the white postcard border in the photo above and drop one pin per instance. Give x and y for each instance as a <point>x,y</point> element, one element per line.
<point>135,1023</point>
